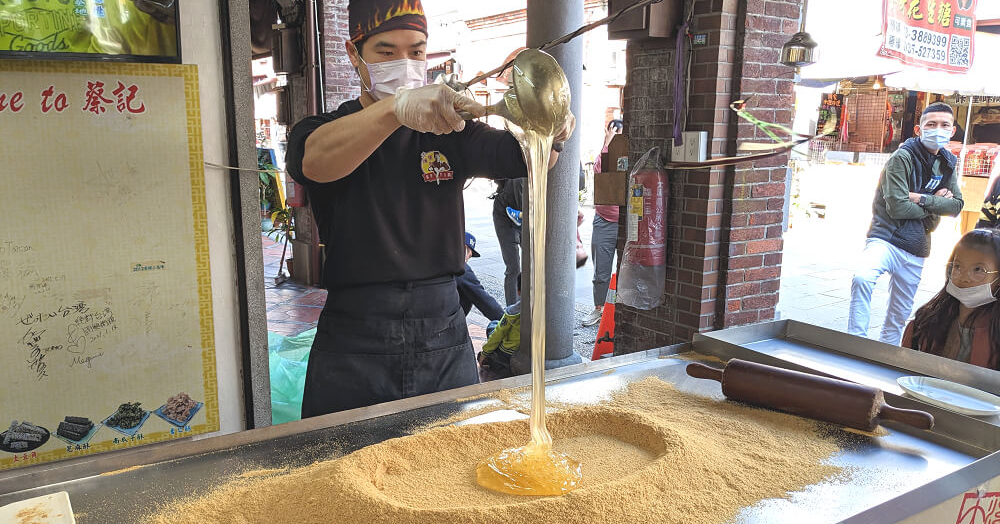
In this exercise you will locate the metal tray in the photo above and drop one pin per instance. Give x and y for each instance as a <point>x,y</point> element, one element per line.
<point>895,476</point>
<point>804,347</point>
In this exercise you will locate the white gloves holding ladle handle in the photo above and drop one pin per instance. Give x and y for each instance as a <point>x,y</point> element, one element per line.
<point>438,109</point>
<point>434,108</point>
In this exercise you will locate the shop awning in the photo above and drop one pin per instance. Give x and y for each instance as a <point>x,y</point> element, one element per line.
<point>849,34</point>
<point>438,63</point>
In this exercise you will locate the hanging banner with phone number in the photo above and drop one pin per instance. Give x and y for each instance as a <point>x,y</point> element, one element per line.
<point>936,34</point>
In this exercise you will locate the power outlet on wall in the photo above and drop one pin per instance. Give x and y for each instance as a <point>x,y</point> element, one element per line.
<point>694,148</point>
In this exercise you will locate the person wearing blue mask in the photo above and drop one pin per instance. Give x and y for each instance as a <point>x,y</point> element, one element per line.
<point>917,186</point>
<point>384,176</point>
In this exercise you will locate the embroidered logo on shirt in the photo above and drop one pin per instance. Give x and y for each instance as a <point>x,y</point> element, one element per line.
<point>435,167</point>
<point>934,182</point>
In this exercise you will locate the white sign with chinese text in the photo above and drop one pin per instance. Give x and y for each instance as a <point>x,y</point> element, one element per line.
<point>106,331</point>
<point>936,34</point>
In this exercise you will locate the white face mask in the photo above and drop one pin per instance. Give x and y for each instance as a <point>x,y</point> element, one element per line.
<point>972,297</point>
<point>389,76</point>
<point>935,138</point>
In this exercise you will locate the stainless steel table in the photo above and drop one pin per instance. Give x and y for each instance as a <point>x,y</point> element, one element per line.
<point>893,477</point>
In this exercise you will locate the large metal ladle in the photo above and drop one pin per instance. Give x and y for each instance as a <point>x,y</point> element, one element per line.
<point>538,98</point>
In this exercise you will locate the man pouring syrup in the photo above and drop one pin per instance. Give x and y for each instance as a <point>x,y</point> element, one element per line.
<point>384,175</point>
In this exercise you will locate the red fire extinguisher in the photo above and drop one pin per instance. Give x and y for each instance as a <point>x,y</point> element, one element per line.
<point>295,194</point>
<point>648,203</point>
<point>643,268</point>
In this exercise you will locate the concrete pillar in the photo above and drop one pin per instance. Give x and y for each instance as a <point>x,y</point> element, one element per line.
<point>547,20</point>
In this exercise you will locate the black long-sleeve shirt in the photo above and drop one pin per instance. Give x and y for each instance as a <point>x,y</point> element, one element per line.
<point>400,215</point>
<point>991,206</point>
<point>472,293</point>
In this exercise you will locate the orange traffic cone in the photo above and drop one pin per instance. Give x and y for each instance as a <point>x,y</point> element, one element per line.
<point>605,343</point>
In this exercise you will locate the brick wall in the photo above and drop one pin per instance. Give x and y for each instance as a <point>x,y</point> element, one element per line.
<point>755,211</point>
<point>340,82</point>
<point>724,224</point>
<point>647,115</point>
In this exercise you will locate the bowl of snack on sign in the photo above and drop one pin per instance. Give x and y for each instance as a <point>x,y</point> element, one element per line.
<point>76,430</point>
<point>179,409</point>
<point>127,419</point>
<point>23,436</point>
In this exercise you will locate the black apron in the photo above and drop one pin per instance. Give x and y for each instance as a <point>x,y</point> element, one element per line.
<point>378,343</point>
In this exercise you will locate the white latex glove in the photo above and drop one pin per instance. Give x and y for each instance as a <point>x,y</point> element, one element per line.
<point>569,125</point>
<point>434,109</point>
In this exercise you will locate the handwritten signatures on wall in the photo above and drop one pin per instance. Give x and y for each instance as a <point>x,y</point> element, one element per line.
<point>66,334</point>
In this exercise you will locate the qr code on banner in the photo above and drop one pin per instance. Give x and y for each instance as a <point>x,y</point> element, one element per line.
<point>958,51</point>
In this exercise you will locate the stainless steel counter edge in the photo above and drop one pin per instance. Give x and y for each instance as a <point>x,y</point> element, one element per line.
<point>30,477</point>
<point>975,434</point>
<point>930,494</point>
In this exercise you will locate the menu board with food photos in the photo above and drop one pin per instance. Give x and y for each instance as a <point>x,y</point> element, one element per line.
<point>106,331</point>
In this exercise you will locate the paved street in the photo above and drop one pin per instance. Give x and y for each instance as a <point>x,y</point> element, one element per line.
<point>820,256</point>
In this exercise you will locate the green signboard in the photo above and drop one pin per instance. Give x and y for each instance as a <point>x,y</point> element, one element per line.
<point>132,30</point>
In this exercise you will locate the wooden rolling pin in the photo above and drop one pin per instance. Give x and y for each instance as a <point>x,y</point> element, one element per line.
<point>812,396</point>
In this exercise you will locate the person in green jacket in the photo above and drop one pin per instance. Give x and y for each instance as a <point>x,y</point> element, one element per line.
<point>917,186</point>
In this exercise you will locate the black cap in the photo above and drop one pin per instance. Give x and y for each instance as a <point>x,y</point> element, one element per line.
<point>470,242</point>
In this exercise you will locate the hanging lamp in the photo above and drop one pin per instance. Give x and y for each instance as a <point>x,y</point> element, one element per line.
<point>800,50</point>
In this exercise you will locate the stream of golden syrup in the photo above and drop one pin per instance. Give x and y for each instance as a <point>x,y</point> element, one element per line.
<point>533,469</point>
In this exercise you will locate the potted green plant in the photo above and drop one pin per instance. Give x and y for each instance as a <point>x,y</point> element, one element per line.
<point>267,183</point>
<point>266,193</point>
<point>282,230</point>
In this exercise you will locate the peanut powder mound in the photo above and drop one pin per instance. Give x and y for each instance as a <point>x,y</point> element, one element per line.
<point>650,454</point>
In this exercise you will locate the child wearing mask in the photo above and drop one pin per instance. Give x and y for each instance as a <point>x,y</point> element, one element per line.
<point>962,321</point>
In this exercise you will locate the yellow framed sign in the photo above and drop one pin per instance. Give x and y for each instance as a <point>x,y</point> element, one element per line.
<point>106,327</point>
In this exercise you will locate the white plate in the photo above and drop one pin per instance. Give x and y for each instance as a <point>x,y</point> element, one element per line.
<point>951,396</point>
<point>47,509</point>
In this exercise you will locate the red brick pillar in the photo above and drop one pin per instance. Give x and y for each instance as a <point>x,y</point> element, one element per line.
<point>752,262</point>
<point>340,82</point>
<point>724,224</point>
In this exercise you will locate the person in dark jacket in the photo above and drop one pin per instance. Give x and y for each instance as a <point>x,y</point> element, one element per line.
<point>470,291</point>
<point>917,186</point>
<point>989,215</point>
<point>507,206</point>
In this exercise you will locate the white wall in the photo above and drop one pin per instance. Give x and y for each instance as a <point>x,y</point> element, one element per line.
<point>201,45</point>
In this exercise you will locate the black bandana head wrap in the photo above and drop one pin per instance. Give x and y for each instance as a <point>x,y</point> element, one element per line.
<point>370,17</point>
